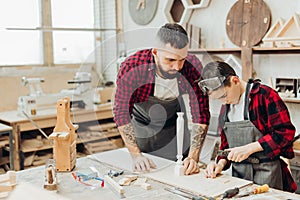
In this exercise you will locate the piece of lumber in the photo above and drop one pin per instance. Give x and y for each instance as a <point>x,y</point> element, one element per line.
<point>127,180</point>
<point>142,183</point>
<point>114,184</point>
<point>9,177</point>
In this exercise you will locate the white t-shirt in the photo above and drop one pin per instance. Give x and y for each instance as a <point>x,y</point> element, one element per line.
<point>166,89</point>
<point>236,111</point>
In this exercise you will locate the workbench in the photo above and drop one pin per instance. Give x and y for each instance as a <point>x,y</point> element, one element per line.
<point>4,129</point>
<point>70,189</point>
<point>46,118</point>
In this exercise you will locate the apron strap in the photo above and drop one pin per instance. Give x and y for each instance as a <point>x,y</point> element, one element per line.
<point>247,93</point>
<point>225,117</point>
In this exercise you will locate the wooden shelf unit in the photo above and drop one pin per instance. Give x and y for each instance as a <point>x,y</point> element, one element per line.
<point>47,119</point>
<point>256,50</point>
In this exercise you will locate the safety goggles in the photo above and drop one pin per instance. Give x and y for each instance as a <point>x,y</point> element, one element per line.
<point>211,84</point>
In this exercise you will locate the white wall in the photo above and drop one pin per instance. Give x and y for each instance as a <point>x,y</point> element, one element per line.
<point>212,22</point>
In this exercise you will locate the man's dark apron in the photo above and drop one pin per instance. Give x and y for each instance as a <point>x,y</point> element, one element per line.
<point>240,133</point>
<point>154,123</point>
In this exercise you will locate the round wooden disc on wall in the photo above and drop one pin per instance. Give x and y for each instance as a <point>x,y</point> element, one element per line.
<point>247,22</point>
<point>142,11</point>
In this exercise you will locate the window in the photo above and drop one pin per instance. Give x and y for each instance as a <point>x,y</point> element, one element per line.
<point>19,47</point>
<point>71,46</point>
<point>29,36</point>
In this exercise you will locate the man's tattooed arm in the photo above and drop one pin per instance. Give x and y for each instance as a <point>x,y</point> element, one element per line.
<point>127,134</point>
<point>198,134</point>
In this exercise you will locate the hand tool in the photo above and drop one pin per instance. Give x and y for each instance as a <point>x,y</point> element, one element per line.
<point>113,173</point>
<point>230,193</point>
<point>256,190</point>
<point>188,195</point>
<point>249,159</point>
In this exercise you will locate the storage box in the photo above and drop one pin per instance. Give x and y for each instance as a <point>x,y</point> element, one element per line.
<point>290,84</point>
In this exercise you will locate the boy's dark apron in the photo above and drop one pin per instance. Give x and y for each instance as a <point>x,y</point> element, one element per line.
<point>154,123</point>
<point>240,133</point>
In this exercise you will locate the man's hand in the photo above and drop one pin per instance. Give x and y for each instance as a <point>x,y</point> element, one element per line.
<point>213,169</point>
<point>142,164</point>
<point>190,166</point>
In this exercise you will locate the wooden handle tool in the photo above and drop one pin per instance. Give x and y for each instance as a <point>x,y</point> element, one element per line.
<point>261,189</point>
<point>256,190</point>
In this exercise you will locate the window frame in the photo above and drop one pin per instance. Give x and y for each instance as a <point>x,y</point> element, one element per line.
<point>47,47</point>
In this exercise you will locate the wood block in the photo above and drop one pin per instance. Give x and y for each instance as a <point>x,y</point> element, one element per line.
<point>105,145</point>
<point>296,144</point>
<point>102,127</point>
<point>142,183</point>
<point>9,177</point>
<point>189,29</point>
<point>290,29</point>
<point>31,143</point>
<point>274,30</point>
<point>106,94</point>
<point>29,159</point>
<point>114,184</point>
<point>127,179</point>
<point>268,44</point>
<point>195,39</point>
<point>146,186</point>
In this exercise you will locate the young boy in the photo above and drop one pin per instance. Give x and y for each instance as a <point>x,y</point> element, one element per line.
<point>254,123</point>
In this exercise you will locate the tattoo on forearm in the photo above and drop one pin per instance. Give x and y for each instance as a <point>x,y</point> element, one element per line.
<point>197,136</point>
<point>128,134</point>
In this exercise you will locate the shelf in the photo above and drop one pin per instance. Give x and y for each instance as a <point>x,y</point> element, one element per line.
<point>4,160</point>
<point>261,50</point>
<point>32,149</point>
<point>256,50</point>
<point>79,141</point>
<point>216,50</point>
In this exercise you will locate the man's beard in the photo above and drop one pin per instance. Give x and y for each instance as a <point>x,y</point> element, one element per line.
<point>166,74</point>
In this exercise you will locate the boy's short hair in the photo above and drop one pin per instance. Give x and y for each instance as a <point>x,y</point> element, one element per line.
<point>218,69</point>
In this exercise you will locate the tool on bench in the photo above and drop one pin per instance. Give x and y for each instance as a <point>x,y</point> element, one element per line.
<point>256,190</point>
<point>252,160</point>
<point>187,194</point>
<point>114,173</point>
<point>230,193</point>
<point>50,175</point>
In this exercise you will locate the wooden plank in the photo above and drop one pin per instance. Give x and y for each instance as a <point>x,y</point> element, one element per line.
<point>120,158</point>
<point>247,63</point>
<point>164,173</point>
<point>114,184</point>
<point>290,28</point>
<point>205,186</point>
<point>101,127</point>
<point>195,37</point>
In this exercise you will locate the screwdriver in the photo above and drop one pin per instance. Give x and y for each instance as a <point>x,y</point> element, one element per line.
<point>230,193</point>
<point>256,190</point>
